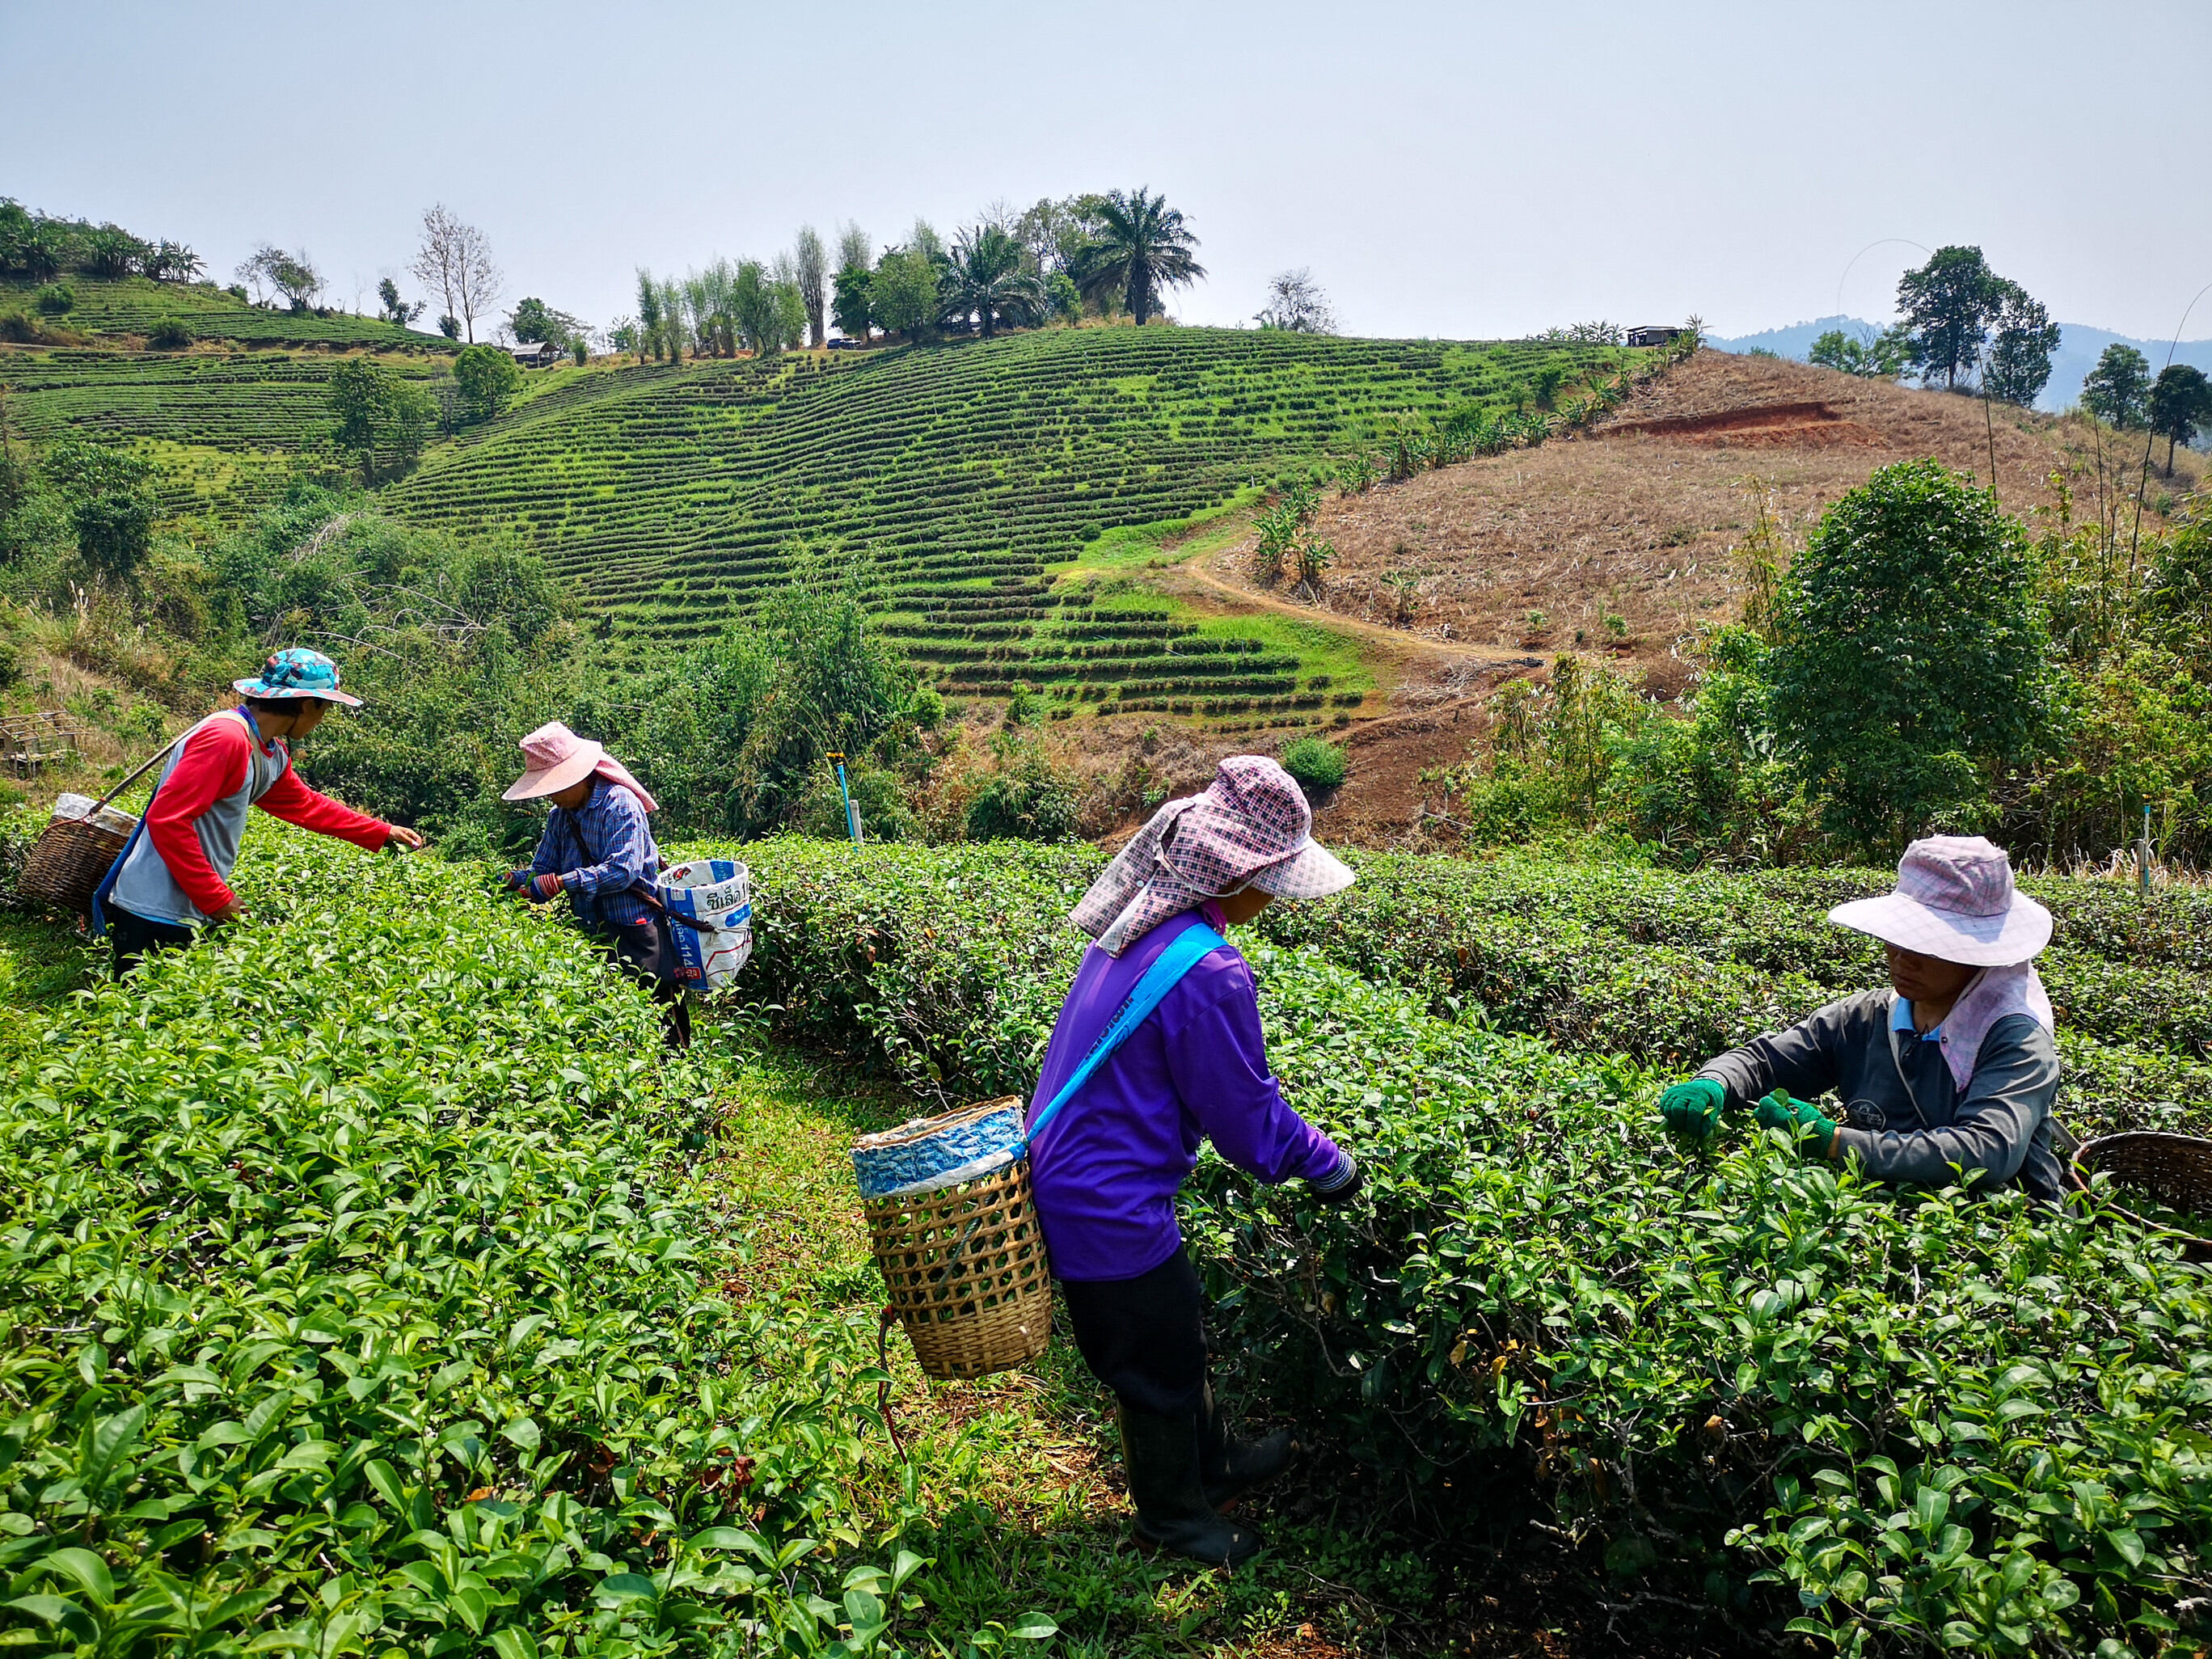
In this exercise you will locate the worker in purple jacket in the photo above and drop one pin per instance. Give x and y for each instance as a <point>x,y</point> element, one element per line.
<point>1106,1168</point>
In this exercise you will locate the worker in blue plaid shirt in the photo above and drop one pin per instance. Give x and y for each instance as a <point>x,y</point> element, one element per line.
<point>598,850</point>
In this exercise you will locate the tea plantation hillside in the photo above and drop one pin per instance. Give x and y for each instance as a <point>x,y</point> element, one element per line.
<point>676,496</point>
<point>137,306</point>
<point>225,419</point>
<point>226,430</point>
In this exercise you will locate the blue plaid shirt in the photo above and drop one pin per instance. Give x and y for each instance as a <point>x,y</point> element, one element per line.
<point>600,851</point>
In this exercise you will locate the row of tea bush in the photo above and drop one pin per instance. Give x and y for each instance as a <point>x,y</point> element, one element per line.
<point>352,1301</point>
<point>1896,1422</point>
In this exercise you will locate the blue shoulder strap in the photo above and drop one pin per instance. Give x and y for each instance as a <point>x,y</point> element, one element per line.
<point>1183,953</point>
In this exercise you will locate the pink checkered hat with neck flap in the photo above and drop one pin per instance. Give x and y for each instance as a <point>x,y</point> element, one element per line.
<point>1955,899</point>
<point>1251,827</point>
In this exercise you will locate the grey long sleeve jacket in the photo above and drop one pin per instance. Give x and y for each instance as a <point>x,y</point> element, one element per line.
<point>1902,1114</point>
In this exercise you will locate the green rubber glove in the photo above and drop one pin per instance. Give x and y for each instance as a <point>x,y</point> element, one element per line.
<point>1693,1108</point>
<point>1780,1111</point>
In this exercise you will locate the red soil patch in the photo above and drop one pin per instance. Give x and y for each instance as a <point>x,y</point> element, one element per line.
<point>1806,425</point>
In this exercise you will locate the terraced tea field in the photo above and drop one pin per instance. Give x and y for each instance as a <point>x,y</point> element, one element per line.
<point>675,496</point>
<point>224,428</point>
<point>137,305</point>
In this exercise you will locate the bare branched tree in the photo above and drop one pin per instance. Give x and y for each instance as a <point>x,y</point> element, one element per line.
<point>456,261</point>
<point>809,262</point>
<point>438,264</point>
<point>1297,305</point>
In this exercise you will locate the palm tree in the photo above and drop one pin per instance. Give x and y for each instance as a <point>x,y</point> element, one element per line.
<point>986,276</point>
<point>1141,248</point>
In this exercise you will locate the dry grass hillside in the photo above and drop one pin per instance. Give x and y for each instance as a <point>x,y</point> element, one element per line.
<point>1620,543</point>
<point>1532,550</point>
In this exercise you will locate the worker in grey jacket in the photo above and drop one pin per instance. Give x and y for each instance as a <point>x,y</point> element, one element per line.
<point>1948,1076</point>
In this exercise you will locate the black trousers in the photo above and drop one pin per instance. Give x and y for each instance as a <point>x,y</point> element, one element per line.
<point>134,936</point>
<point>1145,1338</point>
<point>644,951</point>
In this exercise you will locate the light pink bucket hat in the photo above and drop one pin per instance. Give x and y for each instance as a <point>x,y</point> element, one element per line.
<point>555,758</point>
<point>1955,899</point>
<point>1251,826</point>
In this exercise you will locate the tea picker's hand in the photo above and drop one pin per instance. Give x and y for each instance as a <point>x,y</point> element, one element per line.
<point>1692,1108</point>
<point>404,838</point>
<point>1780,1110</point>
<point>1340,1184</point>
<point>530,886</point>
<point>223,915</point>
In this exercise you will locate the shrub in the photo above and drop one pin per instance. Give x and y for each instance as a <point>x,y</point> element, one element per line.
<point>1911,659</point>
<point>1318,764</point>
<point>18,327</point>
<point>170,334</point>
<point>1029,799</point>
<point>55,300</point>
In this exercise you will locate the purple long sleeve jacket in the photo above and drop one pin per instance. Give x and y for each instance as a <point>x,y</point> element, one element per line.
<point>1107,1168</point>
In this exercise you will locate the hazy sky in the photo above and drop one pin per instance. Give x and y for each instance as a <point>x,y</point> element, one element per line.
<point>1462,171</point>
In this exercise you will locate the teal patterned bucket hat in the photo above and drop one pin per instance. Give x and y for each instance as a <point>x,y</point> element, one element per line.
<point>296,671</point>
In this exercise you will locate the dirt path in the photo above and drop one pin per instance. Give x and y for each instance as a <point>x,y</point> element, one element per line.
<point>1396,640</point>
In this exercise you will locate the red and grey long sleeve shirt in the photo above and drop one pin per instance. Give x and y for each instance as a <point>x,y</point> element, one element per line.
<point>179,870</point>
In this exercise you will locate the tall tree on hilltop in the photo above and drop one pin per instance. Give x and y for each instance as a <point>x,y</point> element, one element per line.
<point>456,260</point>
<point>392,307</point>
<point>651,334</point>
<point>849,304</point>
<point>810,264</point>
<point>2181,402</point>
<point>2118,390</point>
<point>924,239</point>
<point>672,318</point>
<point>1141,247</point>
<point>1950,303</point>
<point>1297,305</point>
<point>2018,366</point>
<point>292,275</point>
<point>902,293</point>
<point>986,276</point>
<point>854,250</point>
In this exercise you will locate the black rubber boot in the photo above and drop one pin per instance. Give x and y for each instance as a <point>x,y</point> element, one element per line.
<point>1173,1514</point>
<point>1231,1468</point>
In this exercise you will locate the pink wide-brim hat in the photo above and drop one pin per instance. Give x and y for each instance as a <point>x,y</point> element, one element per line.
<point>555,759</point>
<point>1955,899</point>
<point>1250,826</point>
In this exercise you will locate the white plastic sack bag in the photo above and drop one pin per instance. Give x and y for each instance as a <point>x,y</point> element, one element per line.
<point>717,895</point>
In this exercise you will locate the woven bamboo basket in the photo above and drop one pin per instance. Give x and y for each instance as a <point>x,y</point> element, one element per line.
<point>2175,1170</point>
<point>963,1259</point>
<point>66,863</point>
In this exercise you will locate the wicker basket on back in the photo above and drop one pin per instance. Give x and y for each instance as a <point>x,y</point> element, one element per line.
<point>2174,1170</point>
<point>66,863</point>
<point>956,1237</point>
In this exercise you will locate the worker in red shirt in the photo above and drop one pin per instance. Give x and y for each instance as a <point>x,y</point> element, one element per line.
<point>173,875</point>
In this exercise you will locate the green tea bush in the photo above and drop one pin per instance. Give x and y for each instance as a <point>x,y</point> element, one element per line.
<point>1665,967</point>
<point>349,1305</point>
<point>1908,1420</point>
<point>1942,1422</point>
<point>1318,764</point>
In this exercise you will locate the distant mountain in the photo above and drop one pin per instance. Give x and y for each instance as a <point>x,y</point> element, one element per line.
<point>2079,348</point>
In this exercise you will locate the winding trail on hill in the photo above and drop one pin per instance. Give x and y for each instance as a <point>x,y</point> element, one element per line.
<point>1396,639</point>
